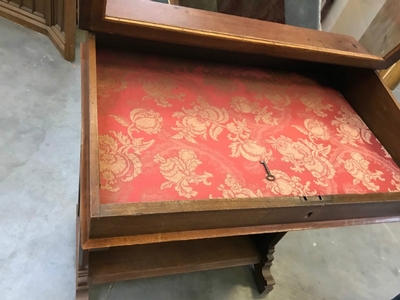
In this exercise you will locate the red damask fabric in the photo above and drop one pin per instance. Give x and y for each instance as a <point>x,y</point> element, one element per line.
<point>172,129</point>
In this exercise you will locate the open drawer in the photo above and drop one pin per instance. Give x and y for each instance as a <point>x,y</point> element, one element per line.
<point>172,148</point>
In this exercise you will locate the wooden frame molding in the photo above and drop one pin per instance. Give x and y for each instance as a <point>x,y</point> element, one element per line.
<point>149,20</point>
<point>54,18</point>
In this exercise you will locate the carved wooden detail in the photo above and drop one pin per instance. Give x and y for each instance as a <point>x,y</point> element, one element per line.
<point>265,244</point>
<point>54,18</point>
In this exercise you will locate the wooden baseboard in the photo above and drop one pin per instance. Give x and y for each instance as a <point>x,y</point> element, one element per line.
<point>38,24</point>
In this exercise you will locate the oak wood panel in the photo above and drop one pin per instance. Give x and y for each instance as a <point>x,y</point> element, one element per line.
<point>59,14</point>
<point>125,263</point>
<point>374,103</point>
<point>48,14</point>
<point>54,18</point>
<point>146,19</point>
<point>39,7</point>
<point>22,17</point>
<point>16,3</point>
<point>28,5</point>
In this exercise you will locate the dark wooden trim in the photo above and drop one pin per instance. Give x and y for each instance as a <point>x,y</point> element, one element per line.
<point>214,233</point>
<point>265,244</point>
<point>391,58</point>
<point>84,192</point>
<point>374,103</point>
<point>106,227</point>
<point>178,206</point>
<point>69,29</point>
<point>93,131</point>
<point>84,8</point>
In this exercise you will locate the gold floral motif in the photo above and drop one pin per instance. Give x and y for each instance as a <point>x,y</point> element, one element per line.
<point>275,95</point>
<point>107,83</point>
<point>357,166</point>
<point>314,129</point>
<point>285,185</point>
<point>303,154</point>
<point>314,104</point>
<point>180,172</point>
<point>161,90</point>
<point>241,104</point>
<point>201,120</point>
<point>234,190</point>
<point>351,128</point>
<point>279,101</point>
<point>119,158</point>
<point>242,145</point>
<point>142,120</point>
<point>396,182</point>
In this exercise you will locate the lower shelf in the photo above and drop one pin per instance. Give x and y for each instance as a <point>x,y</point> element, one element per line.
<point>142,261</point>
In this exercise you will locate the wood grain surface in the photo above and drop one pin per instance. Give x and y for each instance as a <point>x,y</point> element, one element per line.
<point>183,25</point>
<point>125,263</point>
<point>374,103</point>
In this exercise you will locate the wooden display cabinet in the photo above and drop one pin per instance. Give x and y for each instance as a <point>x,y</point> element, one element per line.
<point>177,113</point>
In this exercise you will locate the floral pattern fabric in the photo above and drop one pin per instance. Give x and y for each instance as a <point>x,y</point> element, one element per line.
<point>171,129</point>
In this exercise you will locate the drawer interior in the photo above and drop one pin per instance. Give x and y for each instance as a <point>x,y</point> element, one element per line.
<point>175,129</point>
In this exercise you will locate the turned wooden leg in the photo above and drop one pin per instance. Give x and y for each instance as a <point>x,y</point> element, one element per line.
<point>82,258</point>
<point>265,244</point>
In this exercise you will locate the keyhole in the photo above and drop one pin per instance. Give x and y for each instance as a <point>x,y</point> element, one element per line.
<point>309,214</point>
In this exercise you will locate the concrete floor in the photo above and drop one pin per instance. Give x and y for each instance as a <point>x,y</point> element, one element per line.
<point>39,157</point>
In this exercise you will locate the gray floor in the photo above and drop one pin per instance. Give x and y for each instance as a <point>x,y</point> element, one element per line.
<point>39,156</point>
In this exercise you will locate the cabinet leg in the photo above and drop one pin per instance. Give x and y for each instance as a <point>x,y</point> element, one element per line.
<point>265,244</point>
<point>82,294</point>
<point>82,259</point>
